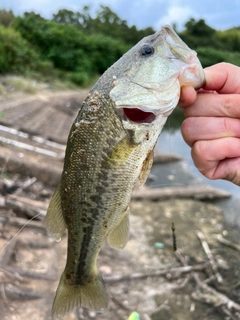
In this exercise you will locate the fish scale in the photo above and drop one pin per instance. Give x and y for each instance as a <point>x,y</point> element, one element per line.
<point>110,147</point>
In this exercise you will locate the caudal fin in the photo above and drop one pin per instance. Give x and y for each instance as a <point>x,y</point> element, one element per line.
<point>68,297</point>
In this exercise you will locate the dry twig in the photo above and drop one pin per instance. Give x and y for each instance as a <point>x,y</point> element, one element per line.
<point>209,255</point>
<point>139,276</point>
<point>228,243</point>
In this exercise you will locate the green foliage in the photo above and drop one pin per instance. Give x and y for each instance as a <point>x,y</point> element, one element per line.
<point>104,51</point>
<point>105,22</point>
<point>199,34</point>
<point>209,56</point>
<point>6,17</point>
<point>68,48</point>
<point>80,78</point>
<point>212,46</point>
<point>77,46</point>
<point>16,55</point>
<point>230,38</point>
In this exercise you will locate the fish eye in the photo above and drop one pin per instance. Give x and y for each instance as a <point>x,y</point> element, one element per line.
<point>146,50</point>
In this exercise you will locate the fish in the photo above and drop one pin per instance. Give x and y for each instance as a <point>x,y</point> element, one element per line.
<point>110,150</point>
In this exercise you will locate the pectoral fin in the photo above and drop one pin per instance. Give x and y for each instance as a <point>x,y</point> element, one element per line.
<point>146,167</point>
<point>54,220</point>
<point>118,237</point>
<point>121,152</point>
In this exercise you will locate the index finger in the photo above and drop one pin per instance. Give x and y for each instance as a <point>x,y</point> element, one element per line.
<point>223,78</point>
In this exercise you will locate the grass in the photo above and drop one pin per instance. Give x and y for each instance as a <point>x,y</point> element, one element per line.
<point>32,85</point>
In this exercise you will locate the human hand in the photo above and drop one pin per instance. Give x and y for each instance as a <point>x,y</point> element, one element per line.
<point>212,127</point>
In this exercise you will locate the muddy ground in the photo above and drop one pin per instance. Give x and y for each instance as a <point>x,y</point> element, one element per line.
<point>201,280</point>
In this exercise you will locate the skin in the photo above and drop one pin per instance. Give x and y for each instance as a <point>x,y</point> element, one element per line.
<point>212,124</point>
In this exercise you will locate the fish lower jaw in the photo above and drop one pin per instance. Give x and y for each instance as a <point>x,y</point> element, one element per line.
<point>192,75</point>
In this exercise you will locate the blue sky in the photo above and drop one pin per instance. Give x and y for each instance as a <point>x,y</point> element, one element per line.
<point>221,15</point>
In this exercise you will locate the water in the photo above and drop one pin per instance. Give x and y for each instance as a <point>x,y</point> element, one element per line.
<point>172,142</point>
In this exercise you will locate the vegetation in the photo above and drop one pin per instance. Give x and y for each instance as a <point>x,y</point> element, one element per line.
<point>78,46</point>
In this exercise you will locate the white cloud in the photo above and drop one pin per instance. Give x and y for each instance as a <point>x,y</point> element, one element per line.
<point>143,13</point>
<point>176,14</point>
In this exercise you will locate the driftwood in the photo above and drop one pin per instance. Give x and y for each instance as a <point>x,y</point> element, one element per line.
<point>29,206</point>
<point>34,165</point>
<point>30,274</point>
<point>166,158</point>
<point>17,206</point>
<point>24,223</point>
<point>207,294</point>
<point>228,243</point>
<point>14,292</point>
<point>195,192</point>
<point>209,255</point>
<point>172,272</point>
<point>212,296</point>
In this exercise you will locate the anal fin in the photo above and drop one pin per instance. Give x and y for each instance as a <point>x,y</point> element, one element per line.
<point>118,237</point>
<point>54,220</point>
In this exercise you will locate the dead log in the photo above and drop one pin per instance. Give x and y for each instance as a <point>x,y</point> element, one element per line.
<point>25,210</point>
<point>24,223</point>
<point>194,192</point>
<point>173,272</point>
<point>28,202</point>
<point>166,158</point>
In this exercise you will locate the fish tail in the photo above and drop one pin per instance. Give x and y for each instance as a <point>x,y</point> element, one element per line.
<point>91,295</point>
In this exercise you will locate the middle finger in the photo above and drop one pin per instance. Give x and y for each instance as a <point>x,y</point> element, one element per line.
<point>215,105</point>
<point>209,128</point>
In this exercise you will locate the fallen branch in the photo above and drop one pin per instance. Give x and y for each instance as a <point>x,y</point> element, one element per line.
<point>29,202</point>
<point>209,255</point>
<point>30,274</point>
<point>14,292</point>
<point>20,223</point>
<point>166,158</point>
<point>195,192</point>
<point>208,294</point>
<point>26,184</point>
<point>139,276</point>
<point>26,206</point>
<point>211,296</point>
<point>228,243</point>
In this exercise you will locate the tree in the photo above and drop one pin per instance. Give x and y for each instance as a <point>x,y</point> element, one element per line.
<point>199,34</point>
<point>199,28</point>
<point>6,17</point>
<point>104,21</point>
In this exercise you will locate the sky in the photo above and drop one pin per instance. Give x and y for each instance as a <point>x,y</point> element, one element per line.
<point>220,15</point>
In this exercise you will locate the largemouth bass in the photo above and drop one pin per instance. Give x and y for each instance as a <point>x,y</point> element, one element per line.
<point>110,148</point>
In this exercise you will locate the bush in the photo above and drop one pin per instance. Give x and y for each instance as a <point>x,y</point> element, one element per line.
<point>16,55</point>
<point>209,56</point>
<point>230,38</point>
<point>104,51</point>
<point>69,48</point>
<point>6,17</point>
<point>80,78</point>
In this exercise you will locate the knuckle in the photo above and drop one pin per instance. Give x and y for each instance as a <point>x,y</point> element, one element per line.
<point>186,131</point>
<point>227,105</point>
<point>201,161</point>
<point>225,124</point>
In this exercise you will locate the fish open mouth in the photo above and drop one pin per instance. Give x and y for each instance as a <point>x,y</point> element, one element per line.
<point>138,115</point>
